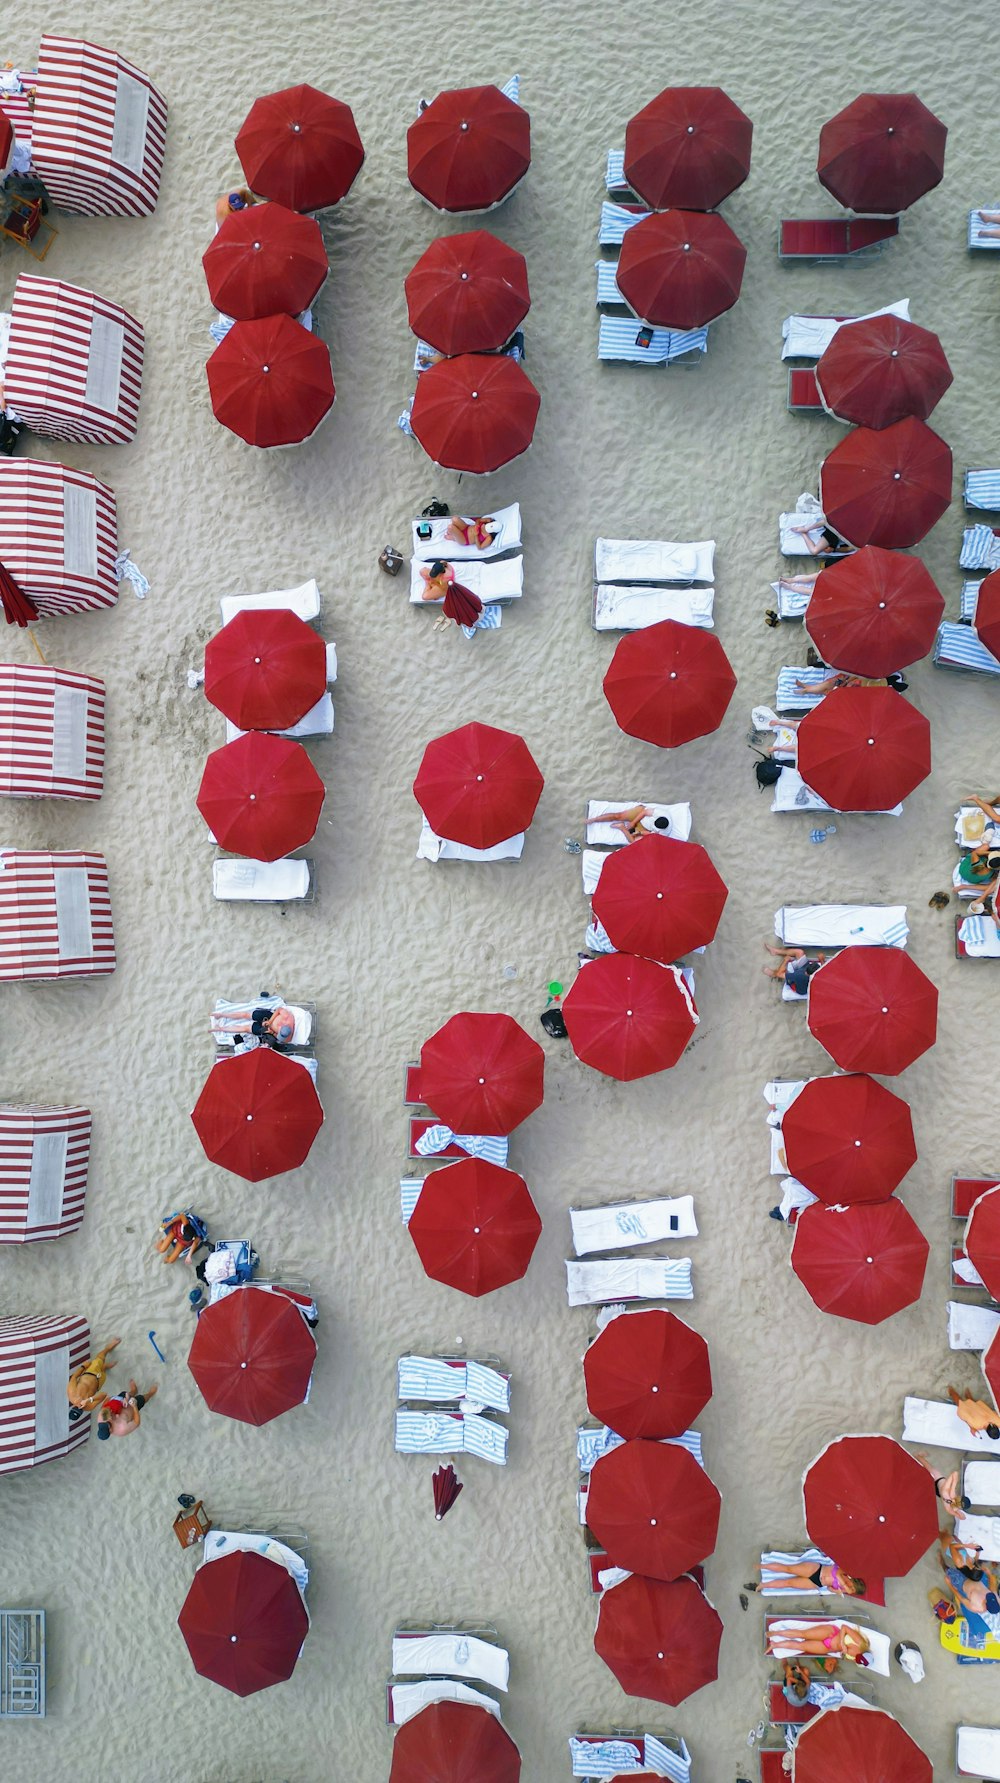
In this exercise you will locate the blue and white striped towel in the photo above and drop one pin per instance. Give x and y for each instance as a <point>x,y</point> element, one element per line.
<point>615,220</point>
<point>486,1439</point>
<point>980,937</point>
<point>512,88</point>
<point>614,173</point>
<point>980,548</point>
<point>976,237</point>
<point>433,1378</point>
<point>968,599</point>
<point>436,1139</point>
<point>486,1386</point>
<point>628,1278</point>
<point>127,571</point>
<point>958,647</point>
<point>896,934</point>
<point>607,283</point>
<point>616,342</point>
<point>789,697</point>
<point>617,1757</point>
<point>489,620</point>
<point>982,490</point>
<point>409,1192</point>
<point>592,1443</point>
<point>447,1433</point>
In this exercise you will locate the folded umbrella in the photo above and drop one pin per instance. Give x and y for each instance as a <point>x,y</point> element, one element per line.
<point>452,1742</point>
<point>690,147</point>
<point>447,1486</point>
<point>475,412</point>
<point>986,621</point>
<point>244,1622</point>
<point>879,370</point>
<point>252,1355</point>
<point>982,1239</point>
<point>669,683</point>
<point>478,785</point>
<point>661,1640</point>
<point>660,897</point>
<point>300,147</point>
<point>652,1506</point>
<point>265,670</point>
<point>875,612</point>
<point>648,1374</point>
<point>629,1017</point>
<point>870,1505</point>
<point>265,260</point>
<point>873,1010</point>
<point>261,796</point>
<point>864,748</point>
<point>271,381</point>
<point>865,1262</point>
<point>258,1114</point>
<point>482,1073</point>
<point>849,1139</point>
<point>18,607</point>
<point>467,293</point>
<point>888,486</point>
<point>475,1226</point>
<point>865,1744</point>
<point>468,149</point>
<point>881,153</point>
<point>680,268</point>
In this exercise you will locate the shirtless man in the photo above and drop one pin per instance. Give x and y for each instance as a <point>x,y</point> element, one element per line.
<point>632,822</point>
<point>120,1417</point>
<point>980,1418</point>
<point>946,1487</point>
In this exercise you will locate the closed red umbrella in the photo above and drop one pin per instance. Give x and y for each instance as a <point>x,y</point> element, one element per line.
<point>258,1114</point>
<point>6,142</point>
<point>478,785</point>
<point>265,670</point>
<point>18,607</point>
<point>865,1744</point>
<point>467,293</point>
<point>865,1262</point>
<point>987,619</point>
<point>475,1226</point>
<point>849,1139</point>
<point>870,1505</point>
<point>991,1366</point>
<point>680,268</point>
<point>629,1017</point>
<point>660,1640</point>
<point>468,149</point>
<point>252,1355</point>
<point>271,381</point>
<point>244,1622</point>
<point>873,1010</point>
<point>482,1073</point>
<point>261,796</point>
<point>300,147</point>
<point>653,1508</point>
<point>886,487</point>
<point>265,260</point>
<point>661,898</point>
<point>690,146</point>
<point>881,153</point>
<point>669,683</point>
<point>864,748</point>
<point>475,412</point>
<point>982,1239</point>
<point>648,1374</point>
<point>877,371</point>
<point>874,612</point>
<point>454,1743</point>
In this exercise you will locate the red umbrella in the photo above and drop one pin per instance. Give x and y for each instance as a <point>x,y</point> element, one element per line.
<point>865,1744</point>
<point>252,1355</point>
<point>660,1640</point>
<point>6,141</point>
<point>265,670</point>
<point>478,785</point>
<point>863,748</point>
<point>475,413</point>
<point>873,1010</point>
<point>870,1505</point>
<point>661,898</point>
<point>874,612</point>
<point>454,1743</point>
<point>300,147</point>
<point>18,607</point>
<point>468,149</point>
<point>982,1239</point>
<point>881,153</point>
<point>680,268</point>
<point>887,487</point>
<point>991,1366</point>
<point>264,260</point>
<point>653,1508</point>
<point>864,1262</point>
<point>447,1487</point>
<point>987,619</point>
<point>669,683</point>
<point>482,1073</point>
<point>648,1374</point>
<point>244,1622</point>
<point>467,293</point>
<point>879,370</point>
<point>629,1017</point>
<point>475,1226</point>
<point>271,381</point>
<point>848,1139</point>
<point>690,146</point>
<point>261,796</point>
<point>258,1114</point>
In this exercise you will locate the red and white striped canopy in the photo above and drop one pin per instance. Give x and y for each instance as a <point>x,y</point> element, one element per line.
<point>74,363</point>
<point>37,1357</point>
<point>44,1154</point>
<point>98,130</point>
<point>17,109</point>
<point>58,535</point>
<point>51,733</point>
<point>55,916</point>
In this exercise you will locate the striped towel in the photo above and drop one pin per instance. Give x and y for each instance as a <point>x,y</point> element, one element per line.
<point>486,1439</point>
<point>789,698</point>
<point>489,620</point>
<point>614,173</point>
<point>976,226</point>
<point>980,548</point>
<point>512,88</point>
<point>616,342</point>
<point>980,937</point>
<point>628,1278</point>
<point>435,1378</point>
<point>592,1443</point>
<point>127,571</point>
<point>614,222</point>
<point>982,490</point>
<point>490,1146</point>
<point>896,934</point>
<point>450,1433</point>
<point>967,600</point>
<point>607,283</point>
<point>618,1757</point>
<point>958,647</point>
<point>409,1190</point>
<point>487,1387</point>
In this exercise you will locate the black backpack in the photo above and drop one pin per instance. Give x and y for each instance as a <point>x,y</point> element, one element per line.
<point>554,1024</point>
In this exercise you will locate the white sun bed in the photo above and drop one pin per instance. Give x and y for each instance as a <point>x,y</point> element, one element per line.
<point>225,1012</point>
<point>616,219</point>
<point>262,882</point>
<point>807,337</point>
<point>631,609</point>
<point>977,1749</point>
<point>595,1440</point>
<point>451,1433</point>
<point>788,1627</point>
<point>507,536</point>
<point>501,581</point>
<point>980,937</point>
<point>219,1542</point>
<point>807,512</point>
<point>618,343</point>
<point>629,1278</point>
<point>792,794</point>
<point>441,1379</point>
<point>454,1654</point>
<point>970,822</point>
<point>303,600</point>
<point>604,835</point>
<point>435,848</point>
<point>981,1482</point>
<point>936,1423</point>
<point>654,560</point>
<point>403,1701</point>
<point>841,925</point>
<point>971,1327</point>
<point>317,722</point>
<point>624,1223</point>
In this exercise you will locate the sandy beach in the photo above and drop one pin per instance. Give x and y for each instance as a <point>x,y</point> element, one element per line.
<point>393,946</point>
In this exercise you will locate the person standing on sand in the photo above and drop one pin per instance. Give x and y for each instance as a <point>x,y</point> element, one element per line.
<point>120,1417</point>
<point>980,1417</point>
<point>85,1390</point>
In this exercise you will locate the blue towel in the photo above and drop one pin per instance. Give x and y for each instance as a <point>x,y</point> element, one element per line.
<point>982,490</point>
<point>980,548</point>
<point>617,1755</point>
<point>976,238</point>
<point>616,342</point>
<point>957,647</point>
<point>614,172</point>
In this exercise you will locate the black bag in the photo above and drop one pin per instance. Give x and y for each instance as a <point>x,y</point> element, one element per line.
<point>435,510</point>
<point>553,1022</point>
<point>768,772</point>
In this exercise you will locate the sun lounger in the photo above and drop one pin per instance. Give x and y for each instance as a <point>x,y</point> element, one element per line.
<point>614,175</point>
<point>936,1423</point>
<point>409,1194</point>
<point>452,1653</point>
<point>772,1587</point>
<point>654,560</point>
<point>834,238</point>
<point>607,285</point>
<point>403,1701</point>
<point>605,835</point>
<point>803,396</point>
<point>789,697</point>
<point>980,547</point>
<point>981,1482</point>
<point>594,1756</point>
<point>977,938</point>
<point>263,882</point>
<point>412,1088</point>
<point>435,848</point>
<point>630,609</point>
<point>595,1440</point>
<point>622,340</point>
<point>792,794</point>
<point>793,541</point>
<point>22,1664</point>
<point>979,1532</point>
<point>303,600</point>
<point>507,537</point>
<point>977,230</point>
<point>629,1278</point>
<point>500,581</point>
<point>440,1379</point>
<point>431,1138</point>
<point>968,598</point>
<point>219,1542</point>
<point>841,925</point>
<point>226,1014</point>
<point>451,1433</point>
<point>772,1764</point>
<point>625,1223</point>
<point>958,647</point>
<point>807,337</point>
<point>788,1629</point>
<point>971,1327</point>
<point>615,220</point>
<point>966,1190</point>
<point>981,489</point>
<point>977,1749</point>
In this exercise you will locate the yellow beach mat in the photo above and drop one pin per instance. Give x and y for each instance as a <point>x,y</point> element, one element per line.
<point>954,1639</point>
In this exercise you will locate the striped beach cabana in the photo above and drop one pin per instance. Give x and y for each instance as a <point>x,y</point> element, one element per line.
<point>17,110</point>
<point>51,733</point>
<point>37,1357</point>
<point>55,916</point>
<point>73,366</point>
<point>97,131</point>
<point>44,1155</point>
<point>58,536</point>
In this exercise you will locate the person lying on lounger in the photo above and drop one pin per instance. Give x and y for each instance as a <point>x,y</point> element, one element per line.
<point>480,531</point>
<point>821,1640</point>
<point>992,220</point>
<point>794,966</point>
<point>946,1487</point>
<point>840,678</point>
<point>784,745</point>
<point>979,1418</point>
<point>461,606</point>
<point>805,1575</point>
<point>274,1026</point>
<point>821,539</point>
<point>632,822</point>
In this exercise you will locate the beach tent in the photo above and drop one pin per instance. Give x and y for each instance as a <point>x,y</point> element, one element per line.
<point>37,1357</point>
<point>73,366</point>
<point>51,733</point>
<point>55,916</point>
<point>58,536</point>
<point>44,1154</point>
<point>97,131</point>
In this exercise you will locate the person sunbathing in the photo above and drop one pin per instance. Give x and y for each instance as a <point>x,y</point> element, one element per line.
<point>784,745</point>
<point>978,1417</point>
<point>821,540</point>
<point>276,1025</point>
<point>181,1236</point>
<point>480,531</point>
<point>992,220</point>
<point>828,1641</point>
<point>946,1487</point>
<point>806,1575</point>
<point>632,822</point>
<point>794,966</point>
<point>840,678</point>
<point>86,1386</point>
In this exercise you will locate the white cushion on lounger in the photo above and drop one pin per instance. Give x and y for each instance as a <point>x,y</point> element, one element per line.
<point>605,835</point>
<point>457,1655</point>
<point>219,1542</point>
<point>807,512</point>
<point>981,1482</point>
<point>841,925</point>
<point>937,1424</point>
<point>407,1700</point>
<point>979,1532</point>
<point>303,600</point>
<point>971,1327</point>
<point>506,538</point>
<point>223,1008</point>
<point>977,1749</point>
<point>265,880</point>
<point>807,337</point>
<point>792,794</point>
<point>503,581</point>
<point>629,1278</point>
<point>624,1223</point>
<point>653,560</point>
<point>318,722</point>
<point>436,848</point>
<point>980,937</point>
<point>630,609</point>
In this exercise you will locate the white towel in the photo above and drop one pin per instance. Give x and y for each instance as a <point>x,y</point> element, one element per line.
<point>787,1629</point>
<point>792,540</point>
<point>506,523</point>
<point>842,925</point>
<point>435,848</point>
<point>770,1577</point>
<point>502,581</point>
<point>229,1541</point>
<point>605,835</point>
<point>303,600</point>
<point>260,881</point>
<point>938,1425</point>
<point>981,1482</point>
<point>807,337</point>
<point>407,1700</point>
<point>971,1327</point>
<point>977,1750</point>
<point>632,1222</point>
<point>654,560</point>
<point>980,1532</point>
<point>792,794</point>
<point>632,609</point>
<point>629,1278</point>
<point>456,1654</point>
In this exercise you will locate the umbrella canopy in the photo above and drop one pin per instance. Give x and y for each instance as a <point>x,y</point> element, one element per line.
<point>849,1139</point>
<point>987,619</point>
<point>244,1622</point>
<point>258,1114</point>
<point>661,898</point>
<point>300,147</point>
<point>886,487</point>
<point>467,293</point>
<point>863,1263</point>
<point>874,612</point>
<point>468,149</point>
<point>680,268</point>
<point>877,371</point>
<point>252,1355</point>
<point>870,1505</point>
<point>648,1374</point>
<point>475,412</point>
<point>982,1239</point>
<point>991,1366</point>
<point>264,260</point>
<point>271,381</point>
<point>881,153</point>
<point>864,748</point>
<point>660,1640</point>
<point>475,1226</point>
<point>261,796</point>
<point>265,670</point>
<point>873,1010</point>
<point>653,1508</point>
<point>690,146</point>
<point>478,786</point>
<point>669,683</point>
<point>629,1017</point>
<point>866,1745</point>
<point>454,1743</point>
<point>482,1073</point>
